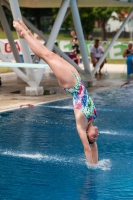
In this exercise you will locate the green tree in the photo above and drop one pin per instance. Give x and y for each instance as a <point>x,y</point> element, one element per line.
<point>35,15</point>
<point>67,23</point>
<point>87,20</point>
<point>103,14</point>
<point>8,16</point>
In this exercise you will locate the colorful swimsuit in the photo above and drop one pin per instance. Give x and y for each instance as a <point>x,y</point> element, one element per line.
<point>82,100</point>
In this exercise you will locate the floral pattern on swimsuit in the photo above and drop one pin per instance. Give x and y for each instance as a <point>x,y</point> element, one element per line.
<point>82,100</point>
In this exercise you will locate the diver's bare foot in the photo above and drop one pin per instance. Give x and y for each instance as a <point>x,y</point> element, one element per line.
<point>21,31</point>
<point>24,26</point>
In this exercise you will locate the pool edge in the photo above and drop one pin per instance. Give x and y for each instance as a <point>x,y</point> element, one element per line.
<point>16,108</point>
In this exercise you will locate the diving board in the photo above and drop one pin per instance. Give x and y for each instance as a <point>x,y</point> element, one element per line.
<point>24,65</point>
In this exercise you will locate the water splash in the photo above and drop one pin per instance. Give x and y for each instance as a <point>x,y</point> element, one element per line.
<point>36,156</point>
<point>44,157</point>
<point>109,132</point>
<point>103,164</point>
<point>120,133</point>
<point>109,110</point>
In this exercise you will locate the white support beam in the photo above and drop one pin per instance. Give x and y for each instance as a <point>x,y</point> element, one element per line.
<point>9,34</point>
<point>7,63</point>
<point>79,32</point>
<point>54,32</point>
<point>27,58</point>
<point>44,37</point>
<point>57,24</point>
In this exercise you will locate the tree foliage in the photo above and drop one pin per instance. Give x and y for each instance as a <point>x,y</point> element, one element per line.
<point>87,20</point>
<point>43,18</point>
<point>103,14</point>
<point>67,23</point>
<point>35,15</point>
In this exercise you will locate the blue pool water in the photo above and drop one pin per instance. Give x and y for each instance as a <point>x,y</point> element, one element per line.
<point>41,155</point>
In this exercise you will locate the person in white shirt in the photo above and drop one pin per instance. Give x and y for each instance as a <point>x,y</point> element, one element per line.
<point>96,53</point>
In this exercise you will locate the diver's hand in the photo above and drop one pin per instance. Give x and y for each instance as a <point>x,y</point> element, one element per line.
<point>92,166</point>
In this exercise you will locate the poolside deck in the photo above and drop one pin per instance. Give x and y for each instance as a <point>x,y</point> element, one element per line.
<point>12,93</point>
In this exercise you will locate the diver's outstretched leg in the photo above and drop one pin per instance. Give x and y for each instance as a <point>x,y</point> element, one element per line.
<point>62,69</point>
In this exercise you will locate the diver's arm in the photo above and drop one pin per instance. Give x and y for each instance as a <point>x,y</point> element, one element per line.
<point>81,124</point>
<point>87,148</point>
<point>94,151</point>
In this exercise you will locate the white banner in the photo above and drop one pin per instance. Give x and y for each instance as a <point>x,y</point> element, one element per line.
<point>5,48</point>
<point>66,46</point>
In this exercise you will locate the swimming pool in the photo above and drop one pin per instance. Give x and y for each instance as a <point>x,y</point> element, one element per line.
<point>41,156</point>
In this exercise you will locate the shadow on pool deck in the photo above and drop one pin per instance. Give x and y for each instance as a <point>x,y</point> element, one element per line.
<point>12,93</point>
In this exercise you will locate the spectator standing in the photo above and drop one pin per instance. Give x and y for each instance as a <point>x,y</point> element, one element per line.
<point>75,46</point>
<point>90,37</point>
<point>128,52</point>
<point>96,53</point>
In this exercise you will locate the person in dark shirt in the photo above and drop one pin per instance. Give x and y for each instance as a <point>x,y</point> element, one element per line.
<point>128,51</point>
<point>75,45</point>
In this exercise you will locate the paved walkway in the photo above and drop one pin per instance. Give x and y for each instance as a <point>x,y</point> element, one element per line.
<point>12,93</point>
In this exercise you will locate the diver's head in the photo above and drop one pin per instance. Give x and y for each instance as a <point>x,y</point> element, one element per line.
<point>92,133</point>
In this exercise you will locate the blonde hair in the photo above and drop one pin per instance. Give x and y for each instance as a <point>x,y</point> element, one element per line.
<point>130,42</point>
